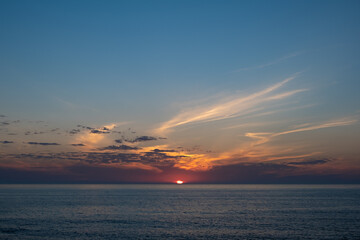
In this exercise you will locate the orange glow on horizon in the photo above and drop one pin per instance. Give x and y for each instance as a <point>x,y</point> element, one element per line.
<point>179,182</point>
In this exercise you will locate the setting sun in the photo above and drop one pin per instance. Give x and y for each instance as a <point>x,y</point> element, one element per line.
<point>179,182</point>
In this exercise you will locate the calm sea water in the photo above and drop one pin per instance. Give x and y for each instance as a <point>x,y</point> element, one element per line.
<point>179,211</point>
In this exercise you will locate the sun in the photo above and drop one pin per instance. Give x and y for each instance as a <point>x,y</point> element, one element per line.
<point>179,182</point>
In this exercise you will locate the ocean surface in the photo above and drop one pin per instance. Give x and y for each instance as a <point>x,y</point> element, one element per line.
<point>165,211</point>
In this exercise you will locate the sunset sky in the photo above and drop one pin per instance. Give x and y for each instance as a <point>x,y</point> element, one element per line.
<point>202,91</point>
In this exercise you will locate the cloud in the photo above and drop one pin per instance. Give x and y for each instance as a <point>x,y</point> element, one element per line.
<point>4,123</point>
<point>142,139</point>
<point>2,116</point>
<point>43,143</point>
<point>163,150</point>
<point>79,173</point>
<point>310,162</point>
<point>236,107</point>
<point>78,144</point>
<point>85,127</point>
<point>166,162</point>
<point>161,155</point>
<point>118,140</point>
<point>120,147</point>
<point>6,142</point>
<point>74,131</point>
<point>286,94</point>
<point>102,130</point>
<point>266,136</point>
<point>95,135</point>
<point>274,173</point>
<point>99,131</point>
<point>293,156</point>
<point>276,61</point>
<point>151,160</point>
<point>334,123</point>
<point>33,133</point>
<point>136,173</point>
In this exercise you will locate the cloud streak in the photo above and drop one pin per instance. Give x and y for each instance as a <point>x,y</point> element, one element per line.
<point>279,60</point>
<point>120,147</point>
<point>310,162</point>
<point>236,107</point>
<point>43,143</point>
<point>263,137</point>
<point>336,123</point>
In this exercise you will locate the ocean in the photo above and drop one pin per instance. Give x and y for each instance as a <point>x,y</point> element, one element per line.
<point>188,211</point>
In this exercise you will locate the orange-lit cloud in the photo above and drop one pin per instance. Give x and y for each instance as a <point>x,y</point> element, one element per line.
<point>259,150</point>
<point>235,107</point>
<point>91,139</point>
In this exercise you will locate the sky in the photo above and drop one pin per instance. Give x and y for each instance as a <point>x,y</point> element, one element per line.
<point>202,91</point>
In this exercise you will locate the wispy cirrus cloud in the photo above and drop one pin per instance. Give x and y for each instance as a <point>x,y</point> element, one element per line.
<point>268,64</point>
<point>334,123</point>
<point>235,107</point>
<point>263,137</point>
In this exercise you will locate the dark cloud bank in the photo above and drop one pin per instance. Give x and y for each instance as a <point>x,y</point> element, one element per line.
<point>95,167</point>
<point>243,174</point>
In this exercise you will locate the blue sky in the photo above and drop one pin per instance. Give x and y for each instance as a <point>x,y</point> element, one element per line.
<point>159,67</point>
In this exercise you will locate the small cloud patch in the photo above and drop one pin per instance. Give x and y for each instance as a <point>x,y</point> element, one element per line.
<point>162,150</point>
<point>142,139</point>
<point>74,131</point>
<point>99,131</point>
<point>310,162</point>
<point>78,145</point>
<point>85,127</point>
<point>42,143</point>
